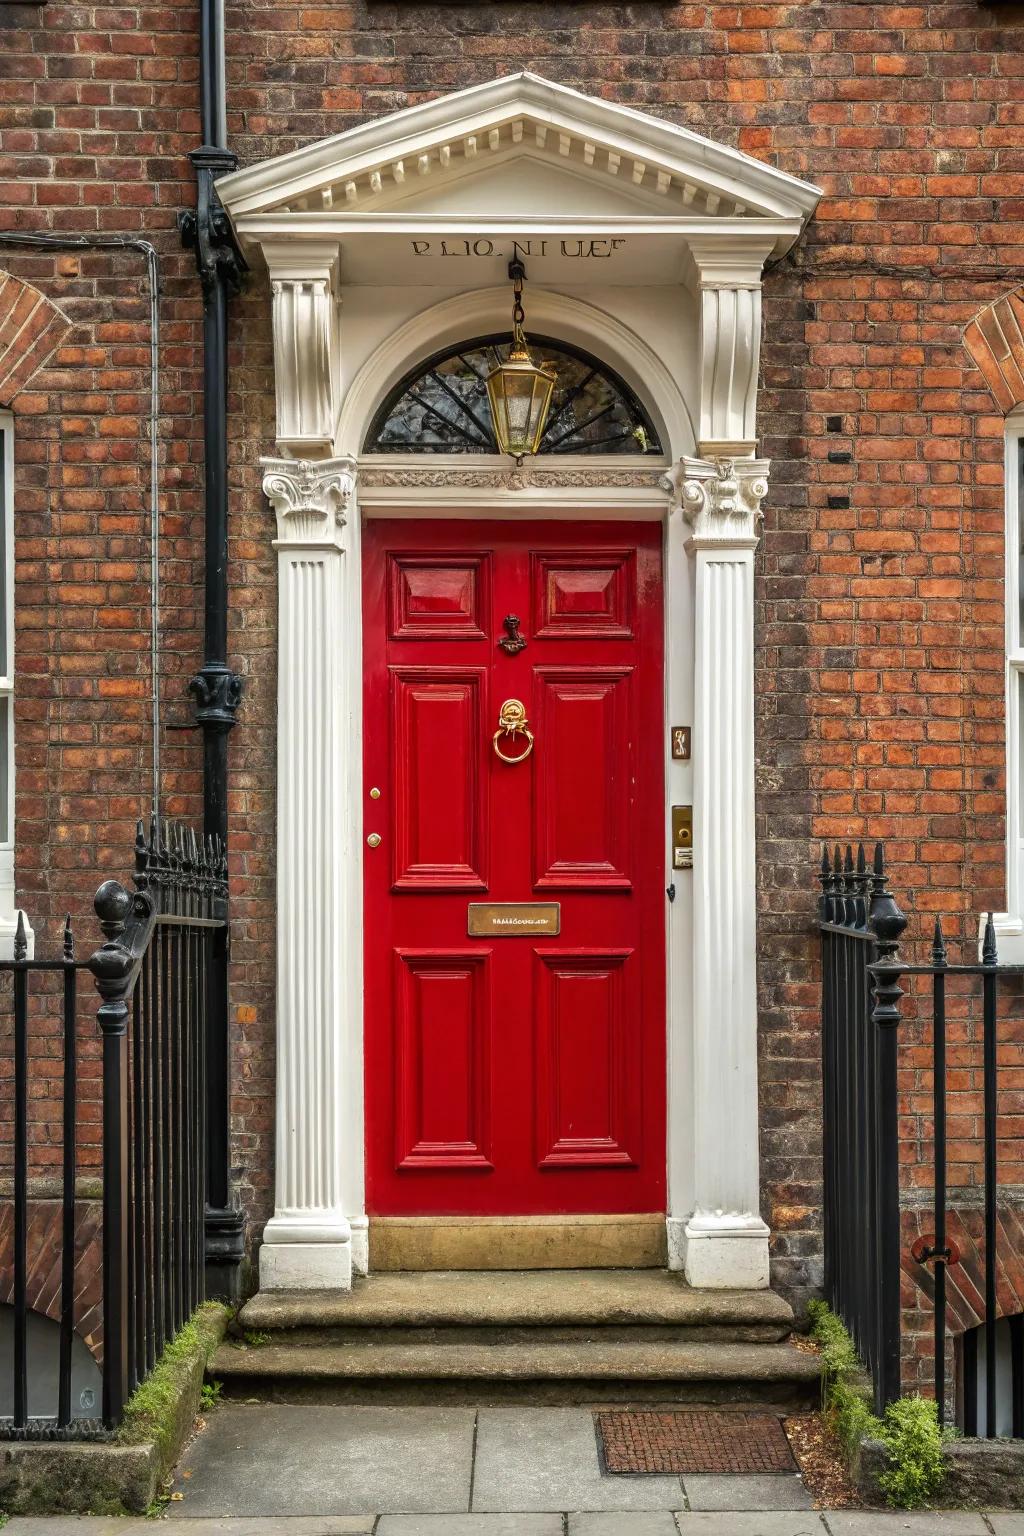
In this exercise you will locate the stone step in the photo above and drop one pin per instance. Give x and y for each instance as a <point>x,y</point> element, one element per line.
<point>549,1371</point>
<point>532,1299</point>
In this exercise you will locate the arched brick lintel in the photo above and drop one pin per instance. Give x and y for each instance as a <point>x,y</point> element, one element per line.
<point>31,329</point>
<point>44,1264</point>
<point>995,340</point>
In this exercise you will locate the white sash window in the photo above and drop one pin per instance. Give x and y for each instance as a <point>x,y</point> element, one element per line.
<point>8,914</point>
<point>1010,924</point>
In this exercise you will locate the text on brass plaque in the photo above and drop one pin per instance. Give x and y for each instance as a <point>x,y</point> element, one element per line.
<point>508,919</point>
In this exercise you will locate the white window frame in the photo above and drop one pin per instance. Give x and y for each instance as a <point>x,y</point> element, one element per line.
<point>8,909</point>
<point>1010,924</point>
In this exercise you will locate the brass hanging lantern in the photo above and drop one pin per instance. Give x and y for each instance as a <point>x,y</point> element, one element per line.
<point>518,389</point>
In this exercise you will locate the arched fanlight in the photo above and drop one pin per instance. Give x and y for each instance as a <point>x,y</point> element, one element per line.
<point>518,389</point>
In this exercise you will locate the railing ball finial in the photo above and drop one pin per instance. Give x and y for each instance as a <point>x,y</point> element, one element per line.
<point>113,904</point>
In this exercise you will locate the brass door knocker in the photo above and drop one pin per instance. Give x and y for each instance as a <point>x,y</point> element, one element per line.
<point>512,719</point>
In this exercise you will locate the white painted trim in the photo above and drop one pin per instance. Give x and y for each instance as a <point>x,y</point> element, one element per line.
<point>307,1244</point>
<point>377,156</point>
<point>1009,925</point>
<point>724,1242</point>
<point>346,226</point>
<point>8,908</point>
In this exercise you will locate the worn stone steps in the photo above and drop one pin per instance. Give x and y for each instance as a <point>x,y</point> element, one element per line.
<point>549,1371</point>
<point>552,1336</point>
<point>525,1299</point>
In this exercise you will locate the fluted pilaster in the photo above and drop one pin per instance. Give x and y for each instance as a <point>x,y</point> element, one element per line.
<point>725,1242</point>
<point>308,1241</point>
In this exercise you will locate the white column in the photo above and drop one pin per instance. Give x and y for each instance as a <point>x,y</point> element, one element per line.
<point>724,1241</point>
<point>308,1243</point>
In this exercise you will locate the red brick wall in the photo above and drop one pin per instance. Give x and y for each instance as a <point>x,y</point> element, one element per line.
<point>879,623</point>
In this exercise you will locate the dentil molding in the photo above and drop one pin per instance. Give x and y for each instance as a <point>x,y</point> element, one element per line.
<point>721,499</point>
<point>310,498</point>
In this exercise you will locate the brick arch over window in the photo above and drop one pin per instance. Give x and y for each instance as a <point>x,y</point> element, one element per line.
<point>31,329</point>
<point>995,340</point>
<point>44,1260</point>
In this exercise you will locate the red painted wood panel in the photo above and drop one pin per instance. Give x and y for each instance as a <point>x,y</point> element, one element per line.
<point>437,719</point>
<point>442,1062</point>
<point>588,1112</point>
<point>522,1074</point>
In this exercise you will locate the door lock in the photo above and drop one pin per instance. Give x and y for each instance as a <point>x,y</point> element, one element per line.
<point>373,841</point>
<point>682,837</point>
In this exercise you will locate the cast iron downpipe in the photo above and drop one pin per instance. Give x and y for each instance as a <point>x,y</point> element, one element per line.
<point>217,690</point>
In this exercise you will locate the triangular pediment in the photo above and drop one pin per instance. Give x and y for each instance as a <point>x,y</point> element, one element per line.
<point>517,145</point>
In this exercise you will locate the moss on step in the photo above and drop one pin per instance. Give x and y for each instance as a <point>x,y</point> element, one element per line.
<point>122,1475</point>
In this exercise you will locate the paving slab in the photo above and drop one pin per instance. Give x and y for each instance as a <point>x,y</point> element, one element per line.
<point>760,1491</point>
<point>271,1460</point>
<point>546,1459</point>
<point>655,1522</point>
<point>472,1525</point>
<point>750,1524</point>
<point>919,1522</point>
<point>1007,1525</point>
<point>109,1525</point>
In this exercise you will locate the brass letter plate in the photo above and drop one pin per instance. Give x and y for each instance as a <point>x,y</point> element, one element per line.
<point>509,919</point>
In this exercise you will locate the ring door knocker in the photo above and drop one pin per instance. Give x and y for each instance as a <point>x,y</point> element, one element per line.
<point>512,720</point>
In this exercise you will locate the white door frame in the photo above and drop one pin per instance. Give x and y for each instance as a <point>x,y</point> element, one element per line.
<point>320,1127</point>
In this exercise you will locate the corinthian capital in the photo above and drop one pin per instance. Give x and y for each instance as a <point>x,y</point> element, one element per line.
<point>310,498</point>
<point>721,498</point>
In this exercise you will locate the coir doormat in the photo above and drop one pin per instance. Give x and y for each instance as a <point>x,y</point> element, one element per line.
<point>692,1440</point>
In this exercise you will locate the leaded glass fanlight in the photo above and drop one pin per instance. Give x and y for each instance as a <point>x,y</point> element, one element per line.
<point>442,406</point>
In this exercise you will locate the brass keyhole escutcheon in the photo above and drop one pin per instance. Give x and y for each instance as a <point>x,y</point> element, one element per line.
<point>512,721</point>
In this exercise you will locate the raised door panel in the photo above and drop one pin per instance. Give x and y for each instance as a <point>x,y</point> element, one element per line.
<point>588,1068</point>
<point>440,793</point>
<point>583,781</point>
<point>584,595</point>
<point>442,1059</point>
<point>437,596</point>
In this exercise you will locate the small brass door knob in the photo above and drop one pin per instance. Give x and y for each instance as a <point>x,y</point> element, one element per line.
<point>373,841</point>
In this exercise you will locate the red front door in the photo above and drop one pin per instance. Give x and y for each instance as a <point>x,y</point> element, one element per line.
<point>514,1072</point>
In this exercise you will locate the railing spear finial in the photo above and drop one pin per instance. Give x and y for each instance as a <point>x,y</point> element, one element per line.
<point>938,944</point>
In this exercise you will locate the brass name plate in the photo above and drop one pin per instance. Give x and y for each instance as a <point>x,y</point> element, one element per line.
<point>509,919</point>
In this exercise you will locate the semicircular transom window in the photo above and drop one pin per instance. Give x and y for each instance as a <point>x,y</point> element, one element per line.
<point>441,406</point>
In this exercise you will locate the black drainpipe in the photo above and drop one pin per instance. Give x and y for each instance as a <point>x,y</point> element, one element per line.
<point>217,690</point>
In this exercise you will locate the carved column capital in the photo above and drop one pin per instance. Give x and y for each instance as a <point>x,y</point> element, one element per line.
<point>721,499</point>
<point>310,498</point>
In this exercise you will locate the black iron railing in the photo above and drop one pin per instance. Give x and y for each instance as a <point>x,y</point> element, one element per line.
<point>164,942</point>
<point>860,1124</point>
<point>21,970</point>
<point>861,927</point>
